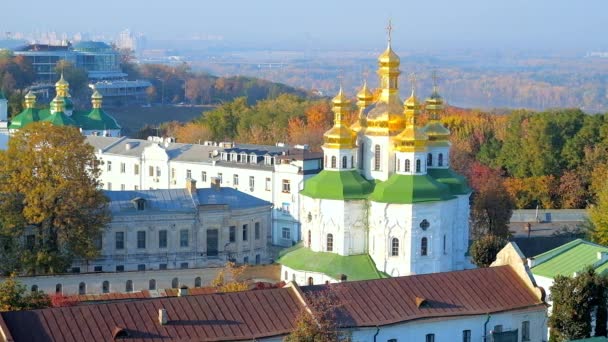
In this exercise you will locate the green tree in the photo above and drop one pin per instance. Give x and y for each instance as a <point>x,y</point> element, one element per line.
<point>574,298</point>
<point>484,250</point>
<point>76,77</point>
<point>14,296</point>
<point>598,212</point>
<point>51,196</point>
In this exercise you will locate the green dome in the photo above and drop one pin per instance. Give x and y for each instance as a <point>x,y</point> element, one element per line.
<point>337,185</point>
<point>458,184</point>
<point>408,189</point>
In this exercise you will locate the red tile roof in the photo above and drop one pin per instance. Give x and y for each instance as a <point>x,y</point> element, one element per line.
<point>460,293</point>
<point>272,312</point>
<point>214,317</point>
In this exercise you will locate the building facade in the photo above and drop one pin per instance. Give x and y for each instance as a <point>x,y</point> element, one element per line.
<point>271,173</point>
<point>180,229</point>
<point>386,191</point>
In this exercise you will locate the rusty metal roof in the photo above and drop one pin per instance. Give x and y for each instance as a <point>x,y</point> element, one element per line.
<point>255,314</point>
<point>460,293</point>
<point>215,317</point>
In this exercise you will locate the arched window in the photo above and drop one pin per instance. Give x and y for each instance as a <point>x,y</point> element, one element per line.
<point>407,167</point>
<point>152,284</point>
<point>309,238</point>
<point>310,281</point>
<point>361,154</point>
<point>429,159</point>
<point>394,247</point>
<point>34,288</point>
<point>330,242</point>
<point>129,286</point>
<point>286,276</point>
<point>82,288</point>
<point>175,283</point>
<point>325,165</point>
<point>198,282</point>
<point>424,247</point>
<point>293,277</point>
<point>333,162</point>
<point>417,165</point>
<point>398,165</point>
<point>344,162</point>
<point>377,158</point>
<point>352,162</point>
<point>105,287</point>
<point>58,288</point>
<point>440,159</point>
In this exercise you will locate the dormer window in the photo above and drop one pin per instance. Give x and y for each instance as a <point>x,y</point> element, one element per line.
<point>244,158</point>
<point>139,203</point>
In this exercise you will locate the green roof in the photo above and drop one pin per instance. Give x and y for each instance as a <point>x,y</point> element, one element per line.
<point>571,257</point>
<point>24,118</point>
<point>96,119</point>
<point>337,185</point>
<point>457,183</point>
<point>355,267</point>
<point>60,119</point>
<point>408,189</point>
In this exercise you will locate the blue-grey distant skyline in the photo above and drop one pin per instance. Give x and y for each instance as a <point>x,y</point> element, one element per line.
<point>518,24</point>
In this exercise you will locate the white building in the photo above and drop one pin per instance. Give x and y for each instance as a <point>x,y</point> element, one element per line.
<point>271,173</point>
<point>387,200</point>
<point>181,228</point>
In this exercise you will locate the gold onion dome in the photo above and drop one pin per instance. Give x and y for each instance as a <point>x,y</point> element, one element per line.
<point>96,99</point>
<point>435,130</point>
<point>389,57</point>
<point>30,100</point>
<point>62,83</point>
<point>365,95</point>
<point>57,105</point>
<point>340,136</point>
<point>412,138</point>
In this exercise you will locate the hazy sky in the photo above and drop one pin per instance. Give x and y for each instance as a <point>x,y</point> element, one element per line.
<point>546,24</point>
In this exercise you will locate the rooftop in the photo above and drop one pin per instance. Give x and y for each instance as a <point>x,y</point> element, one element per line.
<point>250,315</point>
<point>571,257</point>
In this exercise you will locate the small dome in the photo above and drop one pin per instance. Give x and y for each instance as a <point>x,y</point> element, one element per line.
<point>97,95</point>
<point>389,57</point>
<point>365,94</point>
<point>62,82</point>
<point>340,98</point>
<point>412,102</point>
<point>30,96</point>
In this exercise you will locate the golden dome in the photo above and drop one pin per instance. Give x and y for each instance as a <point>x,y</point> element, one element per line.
<point>365,94</point>
<point>30,100</point>
<point>96,99</point>
<point>57,105</point>
<point>435,130</point>
<point>412,138</point>
<point>340,136</point>
<point>62,82</point>
<point>389,58</point>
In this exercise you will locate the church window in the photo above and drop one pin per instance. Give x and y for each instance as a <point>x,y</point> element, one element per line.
<point>352,162</point>
<point>344,162</point>
<point>425,224</point>
<point>152,284</point>
<point>429,159</point>
<point>333,162</point>
<point>82,288</point>
<point>58,288</point>
<point>309,238</point>
<point>325,161</point>
<point>330,242</point>
<point>174,283</point>
<point>129,286</point>
<point>417,165</point>
<point>395,247</point>
<point>424,246</point>
<point>310,281</point>
<point>440,159</point>
<point>361,154</point>
<point>198,282</point>
<point>398,165</point>
<point>286,276</point>
<point>377,158</point>
<point>407,167</point>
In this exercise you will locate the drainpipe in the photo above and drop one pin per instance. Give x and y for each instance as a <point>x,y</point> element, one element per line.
<point>377,332</point>
<point>485,328</point>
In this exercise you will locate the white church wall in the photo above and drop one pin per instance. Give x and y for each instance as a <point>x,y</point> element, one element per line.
<point>387,157</point>
<point>303,278</point>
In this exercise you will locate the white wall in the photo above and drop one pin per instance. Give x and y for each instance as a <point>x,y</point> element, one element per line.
<point>451,329</point>
<point>302,278</point>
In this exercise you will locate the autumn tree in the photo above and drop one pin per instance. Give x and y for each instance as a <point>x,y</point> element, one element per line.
<point>598,211</point>
<point>230,279</point>
<point>14,296</point>
<point>319,322</point>
<point>51,203</point>
<point>484,250</point>
<point>492,206</point>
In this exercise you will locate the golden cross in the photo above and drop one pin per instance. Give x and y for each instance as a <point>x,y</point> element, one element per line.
<point>389,29</point>
<point>434,76</point>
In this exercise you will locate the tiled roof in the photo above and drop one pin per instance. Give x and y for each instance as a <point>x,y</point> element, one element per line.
<point>215,317</point>
<point>460,293</point>
<point>250,315</point>
<point>571,257</point>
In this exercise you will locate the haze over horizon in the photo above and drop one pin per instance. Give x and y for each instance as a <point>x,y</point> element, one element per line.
<point>469,24</point>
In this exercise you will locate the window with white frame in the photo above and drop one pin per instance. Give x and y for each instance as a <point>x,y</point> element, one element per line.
<point>286,186</point>
<point>235,180</point>
<point>395,247</point>
<point>109,166</point>
<point>123,167</point>
<point>268,185</point>
<point>251,183</point>
<point>286,233</point>
<point>203,176</point>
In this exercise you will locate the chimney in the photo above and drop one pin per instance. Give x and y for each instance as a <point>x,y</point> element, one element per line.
<point>183,291</point>
<point>191,186</point>
<point>162,317</point>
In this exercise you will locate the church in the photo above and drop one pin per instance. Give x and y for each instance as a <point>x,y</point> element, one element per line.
<point>386,203</point>
<point>61,113</point>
